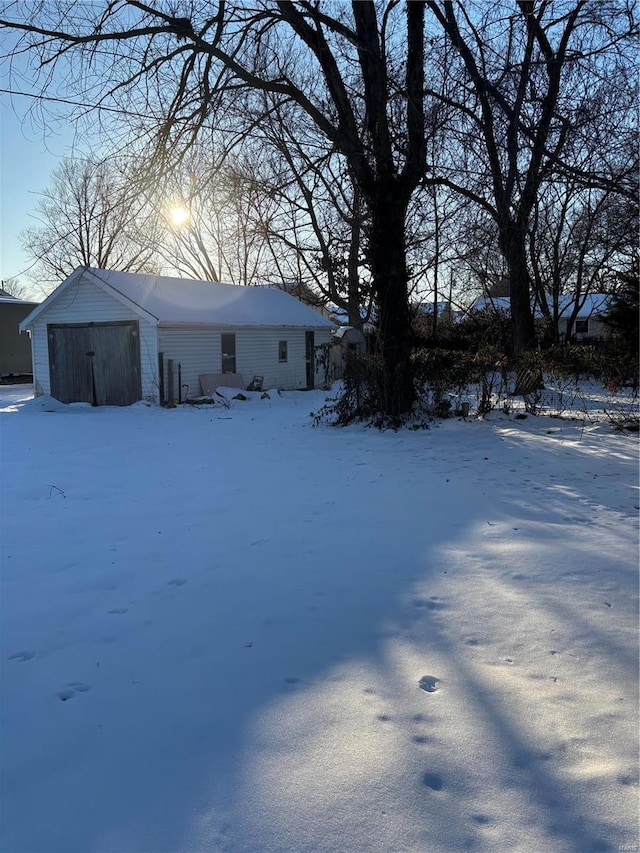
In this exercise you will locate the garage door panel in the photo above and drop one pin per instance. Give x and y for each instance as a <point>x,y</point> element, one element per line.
<point>116,365</point>
<point>69,365</point>
<point>96,363</point>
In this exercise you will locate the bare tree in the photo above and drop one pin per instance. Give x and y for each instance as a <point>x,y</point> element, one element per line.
<point>209,218</point>
<point>580,240</point>
<point>318,229</point>
<point>14,287</point>
<point>87,217</point>
<point>354,73</point>
<point>523,92</point>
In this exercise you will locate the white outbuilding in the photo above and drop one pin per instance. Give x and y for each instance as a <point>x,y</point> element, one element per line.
<point>112,338</point>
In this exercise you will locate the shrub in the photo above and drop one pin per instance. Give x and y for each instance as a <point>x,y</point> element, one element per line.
<point>363,389</point>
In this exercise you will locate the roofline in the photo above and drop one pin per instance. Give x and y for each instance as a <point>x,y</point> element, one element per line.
<point>5,300</point>
<point>598,310</point>
<point>74,278</point>
<point>189,324</point>
<point>30,318</point>
<point>94,277</point>
<point>121,297</point>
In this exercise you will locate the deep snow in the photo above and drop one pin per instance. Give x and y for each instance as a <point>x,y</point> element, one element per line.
<point>224,630</point>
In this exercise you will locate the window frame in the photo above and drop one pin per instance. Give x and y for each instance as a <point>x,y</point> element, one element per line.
<point>283,352</point>
<point>584,323</point>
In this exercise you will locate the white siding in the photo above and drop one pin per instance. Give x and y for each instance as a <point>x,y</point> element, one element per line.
<point>597,329</point>
<point>84,302</point>
<point>198,350</point>
<point>257,354</point>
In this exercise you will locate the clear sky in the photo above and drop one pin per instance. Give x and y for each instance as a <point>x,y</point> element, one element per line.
<point>27,158</point>
<point>32,143</point>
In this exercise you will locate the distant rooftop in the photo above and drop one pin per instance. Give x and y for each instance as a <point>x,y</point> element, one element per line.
<point>594,303</point>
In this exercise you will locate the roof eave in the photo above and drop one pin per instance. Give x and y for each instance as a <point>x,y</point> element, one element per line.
<point>163,324</point>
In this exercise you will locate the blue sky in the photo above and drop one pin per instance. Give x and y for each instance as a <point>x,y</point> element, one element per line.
<point>34,137</point>
<point>27,158</point>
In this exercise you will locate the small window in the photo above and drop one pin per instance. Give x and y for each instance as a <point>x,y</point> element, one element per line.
<point>282,351</point>
<point>582,327</point>
<point>228,344</point>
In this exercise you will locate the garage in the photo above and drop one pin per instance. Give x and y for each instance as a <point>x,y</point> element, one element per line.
<point>97,363</point>
<point>108,337</point>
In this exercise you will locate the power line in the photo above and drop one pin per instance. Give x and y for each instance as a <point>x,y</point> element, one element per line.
<point>76,103</point>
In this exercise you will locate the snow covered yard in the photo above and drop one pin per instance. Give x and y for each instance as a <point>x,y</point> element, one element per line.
<point>224,630</point>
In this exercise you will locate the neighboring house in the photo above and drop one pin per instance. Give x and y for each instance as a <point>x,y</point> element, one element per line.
<point>107,337</point>
<point>346,339</point>
<point>15,349</point>
<point>588,323</point>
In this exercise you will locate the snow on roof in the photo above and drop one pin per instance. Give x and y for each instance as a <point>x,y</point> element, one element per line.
<point>594,303</point>
<point>179,300</point>
<point>11,300</point>
<point>426,307</point>
<point>185,301</point>
<point>350,333</point>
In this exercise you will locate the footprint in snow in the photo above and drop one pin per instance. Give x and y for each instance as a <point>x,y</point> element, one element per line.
<point>428,683</point>
<point>70,690</point>
<point>433,781</point>
<point>65,693</point>
<point>291,679</point>
<point>22,656</point>
<point>80,686</point>
<point>117,611</point>
<point>177,582</point>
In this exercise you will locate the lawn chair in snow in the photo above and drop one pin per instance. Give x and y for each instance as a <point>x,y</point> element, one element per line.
<point>255,384</point>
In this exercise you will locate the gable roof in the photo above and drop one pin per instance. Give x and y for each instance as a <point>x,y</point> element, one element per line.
<point>180,301</point>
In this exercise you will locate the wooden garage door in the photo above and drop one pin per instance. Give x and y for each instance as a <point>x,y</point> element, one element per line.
<point>96,363</point>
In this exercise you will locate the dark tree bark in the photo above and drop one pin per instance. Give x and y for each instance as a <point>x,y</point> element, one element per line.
<point>513,244</point>
<point>387,258</point>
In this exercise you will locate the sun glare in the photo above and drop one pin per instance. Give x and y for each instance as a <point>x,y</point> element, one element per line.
<point>178,215</point>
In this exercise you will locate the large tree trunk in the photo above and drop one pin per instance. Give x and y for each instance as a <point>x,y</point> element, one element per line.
<point>387,257</point>
<point>353,266</point>
<point>522,325</point>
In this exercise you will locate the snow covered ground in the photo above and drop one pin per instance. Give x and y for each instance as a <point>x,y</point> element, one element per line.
<point>224,630</point>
